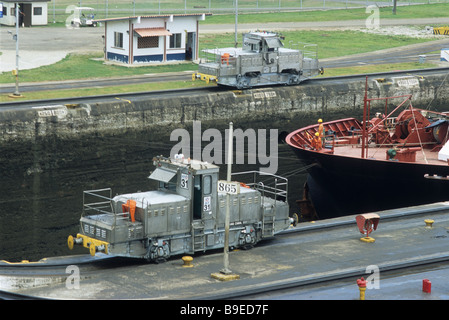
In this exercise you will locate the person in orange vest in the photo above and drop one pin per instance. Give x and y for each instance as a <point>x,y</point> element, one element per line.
<point>317,141</point>
<point>321,130</point>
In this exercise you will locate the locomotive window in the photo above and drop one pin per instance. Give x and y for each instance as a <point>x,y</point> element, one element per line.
<point>167,185</point>
<point>207,184</point>
<point>255,47</point>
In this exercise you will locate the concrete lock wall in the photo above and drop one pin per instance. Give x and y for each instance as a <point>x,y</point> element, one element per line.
<point>274,104</point>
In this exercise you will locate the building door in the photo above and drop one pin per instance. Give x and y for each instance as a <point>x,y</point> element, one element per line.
<point>191,53</point>
<point>25,14</point>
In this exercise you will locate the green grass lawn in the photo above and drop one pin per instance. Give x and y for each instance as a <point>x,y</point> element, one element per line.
<point>403,12</point>
<point>120,8</point>
<point>88,66</point>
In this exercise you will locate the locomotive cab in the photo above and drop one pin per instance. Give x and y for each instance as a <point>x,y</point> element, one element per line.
<point>186,214</point>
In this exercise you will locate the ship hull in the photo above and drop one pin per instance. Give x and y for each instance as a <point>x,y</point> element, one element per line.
<point>340,185</point>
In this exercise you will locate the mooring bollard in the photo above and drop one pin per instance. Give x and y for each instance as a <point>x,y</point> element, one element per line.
<point>187,261</point>
<point>429,223</point>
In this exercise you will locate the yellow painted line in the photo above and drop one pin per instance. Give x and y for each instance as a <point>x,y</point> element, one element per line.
<point>124,100</point>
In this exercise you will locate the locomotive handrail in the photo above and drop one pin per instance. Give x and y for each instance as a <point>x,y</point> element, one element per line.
<point>279,188</point>
<point>98,206</point>
<point>98,209</point>
<point>94,193</point>
<point>310,53</point>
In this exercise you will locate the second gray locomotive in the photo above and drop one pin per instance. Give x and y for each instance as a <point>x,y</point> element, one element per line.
<point>262,60</point>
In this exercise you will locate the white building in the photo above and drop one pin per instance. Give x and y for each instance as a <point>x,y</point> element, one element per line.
<point>31,12</point>
<point>145,39</point>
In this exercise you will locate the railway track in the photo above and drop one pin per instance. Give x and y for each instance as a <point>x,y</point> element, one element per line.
<point>205,90</point>
<point>339,228</point>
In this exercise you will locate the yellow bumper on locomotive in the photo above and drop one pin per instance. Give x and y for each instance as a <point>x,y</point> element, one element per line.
<point>92,244</point>
<point>205,77</point>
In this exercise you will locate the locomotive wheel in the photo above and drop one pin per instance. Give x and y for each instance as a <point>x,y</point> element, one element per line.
<point>70,242</point>
<point>92,249</point>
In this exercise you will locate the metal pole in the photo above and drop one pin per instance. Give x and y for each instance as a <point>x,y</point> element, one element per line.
<point>227,218</point>
<point>236,20</point>
<point>364,134</point>
<point>17,93</point>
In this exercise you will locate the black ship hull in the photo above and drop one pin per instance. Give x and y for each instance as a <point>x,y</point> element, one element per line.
<point>341,185</point>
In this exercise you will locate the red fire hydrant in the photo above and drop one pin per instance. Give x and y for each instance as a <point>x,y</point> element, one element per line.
<point>362,287</point>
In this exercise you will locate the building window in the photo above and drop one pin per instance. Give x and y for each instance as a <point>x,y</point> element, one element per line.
<point>148,42</point>
<point>5,11</point>
<point>37,11</point>
<point>118,39</point>
<point>175,40</point>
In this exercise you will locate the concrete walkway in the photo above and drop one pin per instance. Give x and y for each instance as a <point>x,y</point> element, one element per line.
<point>29,59</point>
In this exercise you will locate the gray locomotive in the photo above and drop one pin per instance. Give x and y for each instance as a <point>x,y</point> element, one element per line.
<point>186,214</point>
<point>262,60</point>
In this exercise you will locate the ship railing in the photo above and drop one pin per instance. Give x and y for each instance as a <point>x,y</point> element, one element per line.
<point>272,185</point>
